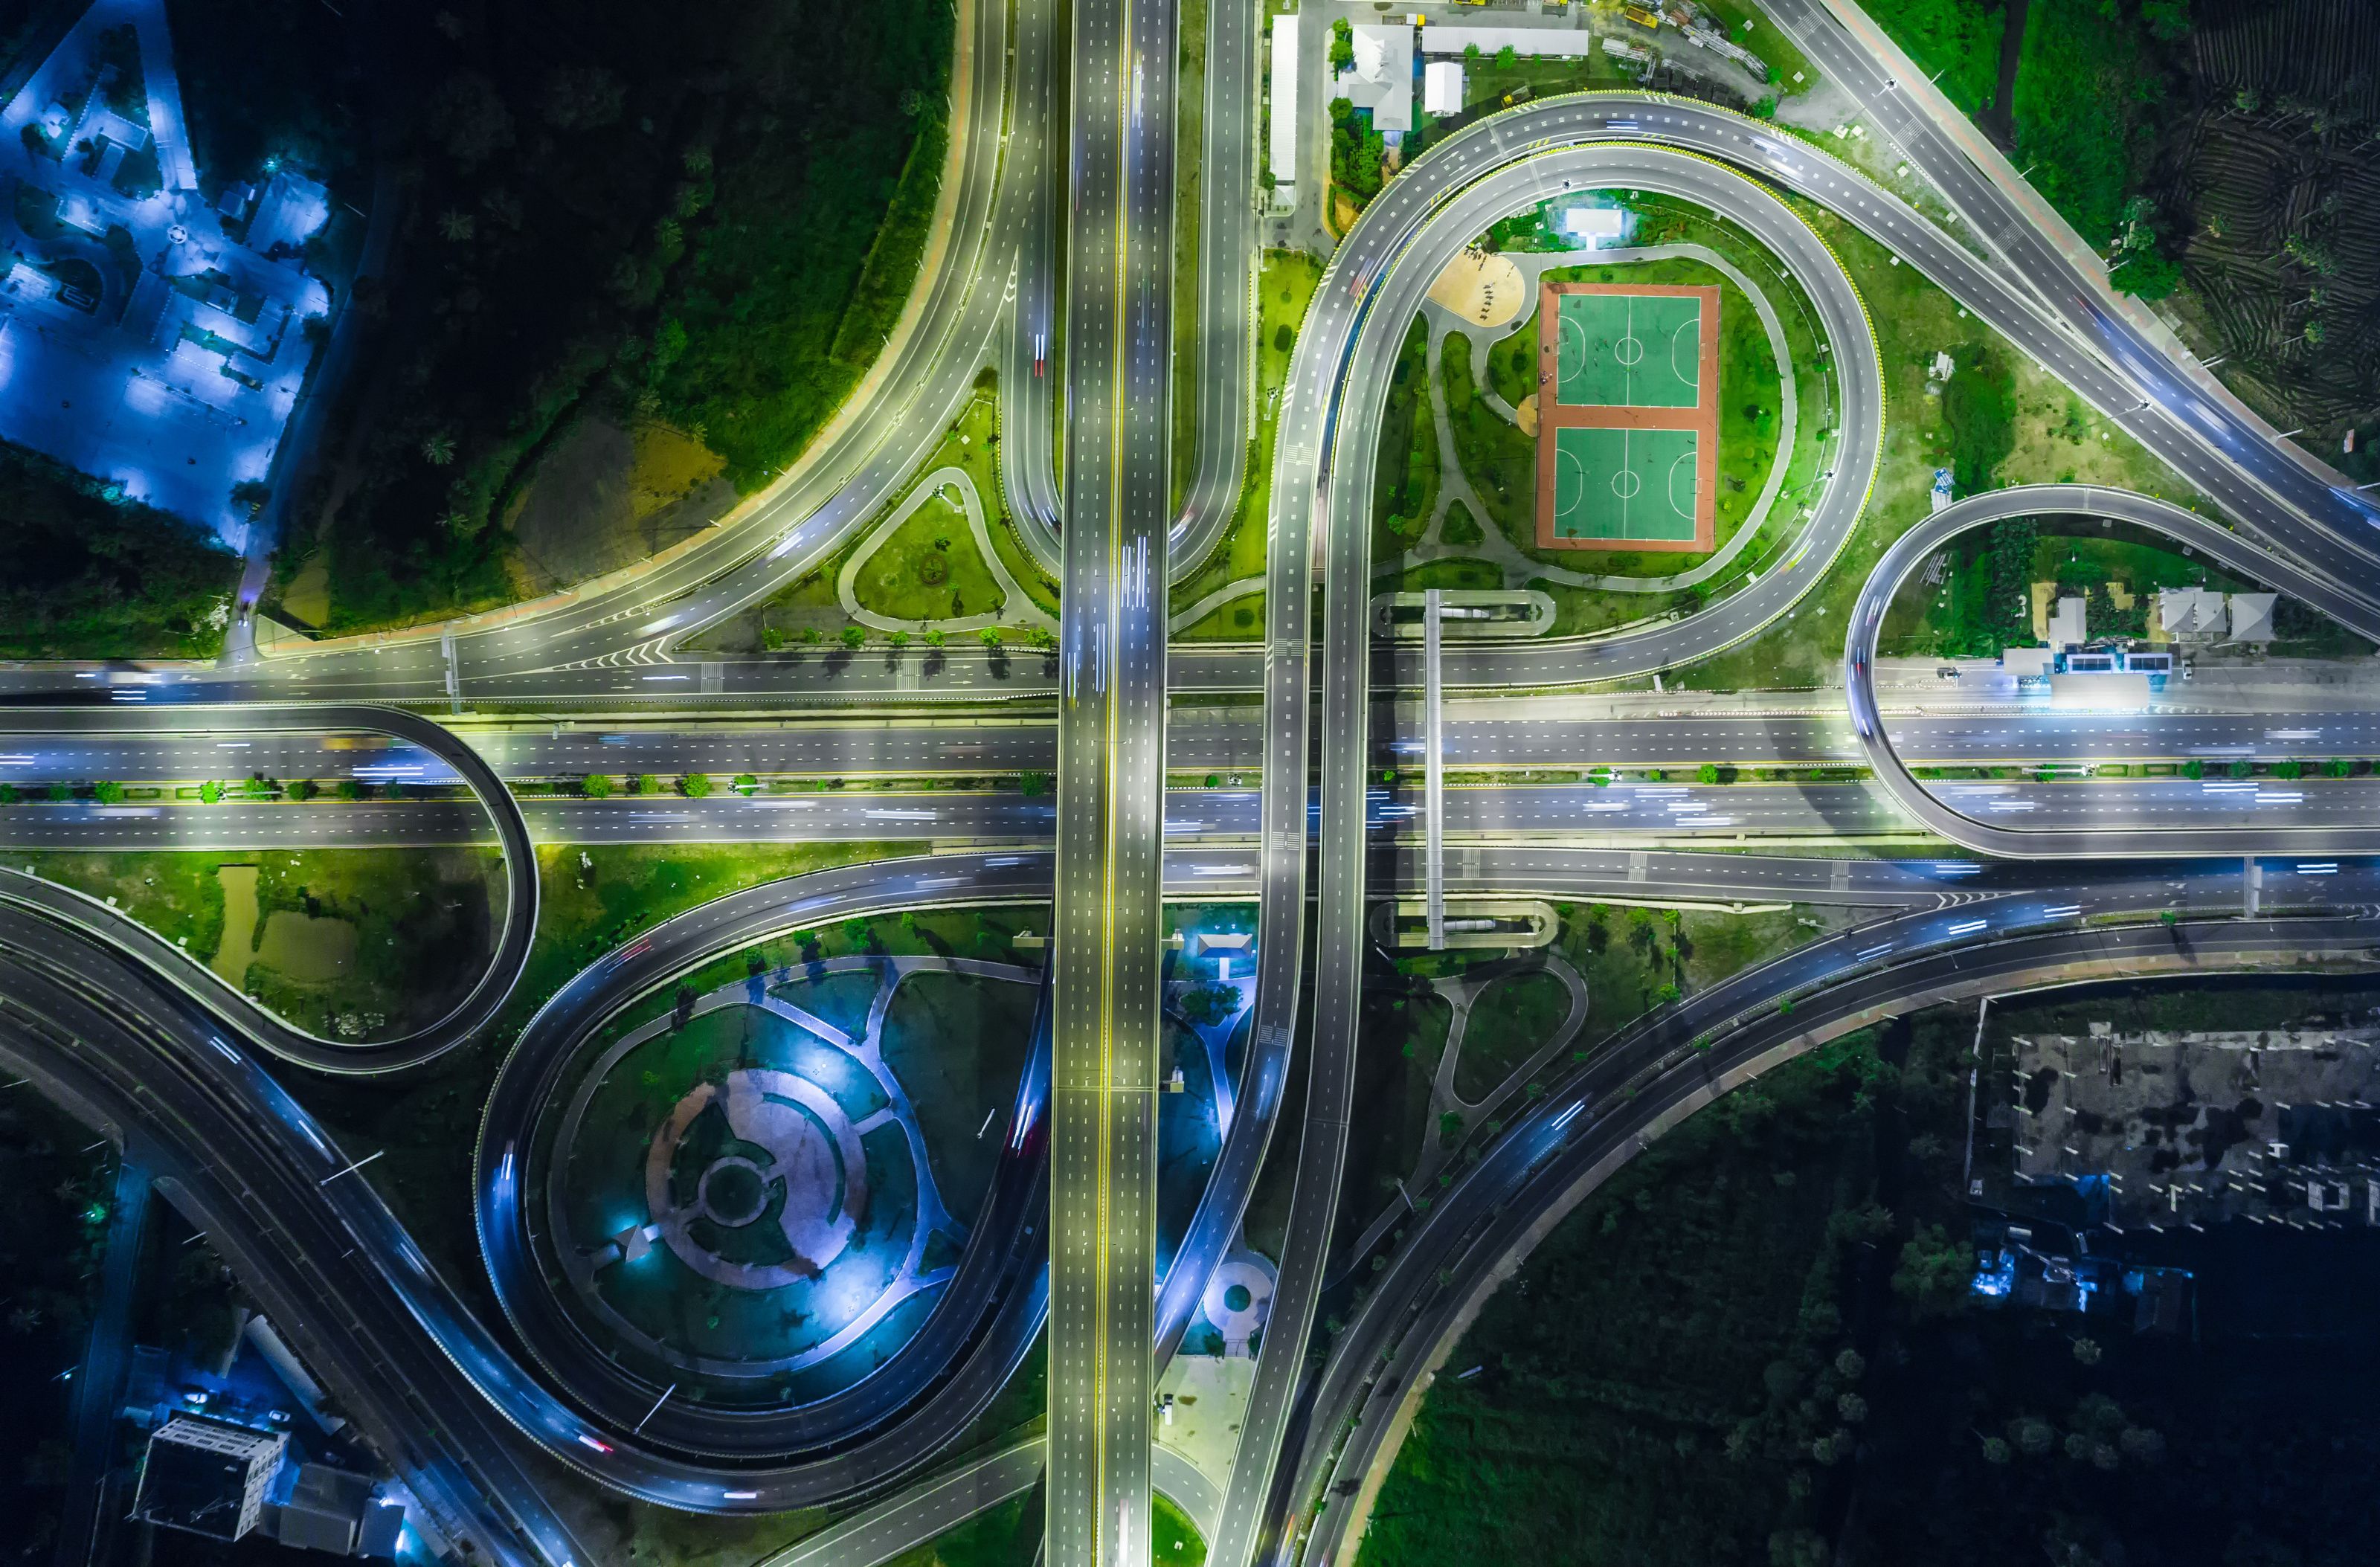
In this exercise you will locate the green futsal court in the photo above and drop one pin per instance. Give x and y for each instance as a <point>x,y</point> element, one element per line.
<point>1628,351</point>
<point>1633,485</point>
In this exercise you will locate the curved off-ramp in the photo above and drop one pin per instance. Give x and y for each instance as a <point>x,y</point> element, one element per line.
<point>466,1018</point>
<point>1602,1115</point>
<point>2218,544</point>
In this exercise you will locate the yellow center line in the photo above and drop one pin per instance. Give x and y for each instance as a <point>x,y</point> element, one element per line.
<point>1107,956</point>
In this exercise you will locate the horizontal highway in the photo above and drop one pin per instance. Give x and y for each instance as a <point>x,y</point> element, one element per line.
<point>1514,734</point>
<point>1629,810</point>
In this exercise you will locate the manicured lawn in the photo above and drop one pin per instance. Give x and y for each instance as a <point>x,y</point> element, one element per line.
<point>973,446</point>
<point>1405,474</point>
<point>1174,1540</point>
<point>395,934</point>
<point>1501,462</point>
<point>427,1123</point>
<point>1242,620</point>
<point>1459,526</point>
<point>931,568</point>
<point>1189,118</point>
<point>423,923</point>
<point>1396,1061</point>
<point>957,1042</point>
<point>1284,285</point>
<point>2051,440</point>
<point>175,895</point>
<point>985,933</point>
<point>1450,573</point>
<point>810,604</point>
<point>1512,1020</point>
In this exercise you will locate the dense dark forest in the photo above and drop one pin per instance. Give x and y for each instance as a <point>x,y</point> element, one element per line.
<point>1758,1343</point>
<point>674,211</point>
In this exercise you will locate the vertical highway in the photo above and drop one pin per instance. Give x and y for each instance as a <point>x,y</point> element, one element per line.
<point>1111,783</point>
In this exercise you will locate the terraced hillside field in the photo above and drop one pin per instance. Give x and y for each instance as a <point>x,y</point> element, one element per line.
<point>2269,178</point>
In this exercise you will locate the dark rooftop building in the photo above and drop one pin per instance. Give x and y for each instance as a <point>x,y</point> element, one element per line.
<point>208,1477</point>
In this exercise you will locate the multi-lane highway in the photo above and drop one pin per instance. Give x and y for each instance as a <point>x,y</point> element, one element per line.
<point>1848,51</point>
<point>1516,735</point>
<point>2038,835</point>
<point>1106,974</point>
<point>1231,822</point>
<point>125,1030</point>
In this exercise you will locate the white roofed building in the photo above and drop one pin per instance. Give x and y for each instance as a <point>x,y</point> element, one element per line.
<point>1597,224</point>
<point>1539,42</point>
<point>1441,87</point>
<point>209,1477</point>
<point>1381,78</point>
<point>2189,615</point>
<point>1282,137</point>
<point>2068,627</point>
<point>2028,663</point>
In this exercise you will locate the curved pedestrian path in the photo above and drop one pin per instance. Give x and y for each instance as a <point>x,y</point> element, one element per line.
<point>1454,485</point>
<point>1200,609</point>
<point>1462,993</point>
<point>1017,607</point>
<point>766,1183</point>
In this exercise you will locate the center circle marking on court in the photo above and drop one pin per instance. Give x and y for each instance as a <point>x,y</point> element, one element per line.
<point>1628,351</point>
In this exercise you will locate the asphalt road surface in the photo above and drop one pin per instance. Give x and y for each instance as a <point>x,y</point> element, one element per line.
<point>1110,808</point>
<point>339,1273</point>
<point>1511,733</point>
<point>2039,834</point>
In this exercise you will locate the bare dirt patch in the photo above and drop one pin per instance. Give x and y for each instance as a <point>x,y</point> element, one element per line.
<point>1483,288</point>
<point>611,493</point>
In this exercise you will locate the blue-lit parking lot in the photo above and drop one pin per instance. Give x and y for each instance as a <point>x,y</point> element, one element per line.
<point>153,334</point>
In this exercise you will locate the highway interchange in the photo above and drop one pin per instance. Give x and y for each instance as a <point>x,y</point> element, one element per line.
<point>478,1417</point>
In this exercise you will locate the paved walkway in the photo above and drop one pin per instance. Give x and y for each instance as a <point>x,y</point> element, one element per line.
<point>1462,993</point>
<point>1017,607</point>
<point>1183,620</point>
<point>582,1257</point>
